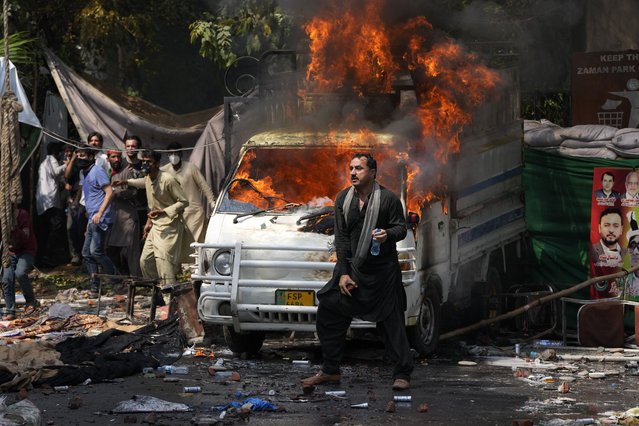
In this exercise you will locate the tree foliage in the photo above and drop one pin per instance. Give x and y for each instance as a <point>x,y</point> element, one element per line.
<point>108,38</point>
<point>248,27</point>
<point>20,48</point>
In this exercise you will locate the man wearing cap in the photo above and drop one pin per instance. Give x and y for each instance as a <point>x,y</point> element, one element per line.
<point>631,289</point>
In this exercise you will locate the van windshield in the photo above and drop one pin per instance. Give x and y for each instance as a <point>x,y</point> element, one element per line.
<point>278,179</point>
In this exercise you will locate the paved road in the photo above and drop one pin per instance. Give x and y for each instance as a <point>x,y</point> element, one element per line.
<point>484,394</point>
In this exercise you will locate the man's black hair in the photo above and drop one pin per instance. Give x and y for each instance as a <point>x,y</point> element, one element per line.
<point>88,149</point>
<point>99,136</point>
<point>174,146</point>
<point>135,138</point>
<point>611,210</point>
<point>54,148</point>
<point>371,163</point>
<point>149,153</point>
<point>609,174</point>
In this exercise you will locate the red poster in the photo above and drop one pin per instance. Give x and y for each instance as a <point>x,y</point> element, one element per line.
<point>614,230</point>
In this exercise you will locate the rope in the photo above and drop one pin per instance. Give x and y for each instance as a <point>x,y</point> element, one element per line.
<point>5,27</point>
<point>74,143</point>
<point>10,185</point>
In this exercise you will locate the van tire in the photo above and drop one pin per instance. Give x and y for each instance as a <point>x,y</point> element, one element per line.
<point>245,342</point>
<point>424,336</point>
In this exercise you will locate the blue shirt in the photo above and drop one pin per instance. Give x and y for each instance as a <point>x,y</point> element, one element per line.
<point>94,195</point>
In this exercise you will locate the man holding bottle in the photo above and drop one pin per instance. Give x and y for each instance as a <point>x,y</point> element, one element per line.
<point>364,284</point>
<point>96,186</point>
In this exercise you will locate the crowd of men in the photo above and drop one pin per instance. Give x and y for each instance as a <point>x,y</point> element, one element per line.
<point>114,213</point>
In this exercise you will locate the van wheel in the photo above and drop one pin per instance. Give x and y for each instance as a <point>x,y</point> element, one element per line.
<point>249,341</point>
<point>424,336</point>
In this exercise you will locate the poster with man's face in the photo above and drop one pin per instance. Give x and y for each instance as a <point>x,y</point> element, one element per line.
<point>614,231</point>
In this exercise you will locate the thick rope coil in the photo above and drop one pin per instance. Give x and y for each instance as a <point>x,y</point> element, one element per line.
<point>10,185</point>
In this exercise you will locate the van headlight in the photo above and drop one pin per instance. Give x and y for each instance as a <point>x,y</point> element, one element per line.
<point>222,262</point>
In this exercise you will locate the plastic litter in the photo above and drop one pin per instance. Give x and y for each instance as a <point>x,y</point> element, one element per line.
<point>149,404</point>
<point>172,369</point>
<point>61,310</point>
<point>402,398</point>
<point>362,405</point>
<point>226,375</point>
<point>22,412</point>
<point>256,404</point>
<point>548,343</point>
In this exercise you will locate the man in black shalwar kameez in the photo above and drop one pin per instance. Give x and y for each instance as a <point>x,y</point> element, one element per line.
<point>364,285</point>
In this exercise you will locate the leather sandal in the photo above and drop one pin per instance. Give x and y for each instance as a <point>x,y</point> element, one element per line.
<point>401,384</point>
<point>29,309</point>
<point>321,378</point>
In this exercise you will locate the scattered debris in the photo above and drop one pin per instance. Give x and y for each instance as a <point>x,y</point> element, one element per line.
<point>362,405</point>
<point>148,404</point>
<point>391,407</point>
<point>75,403</point>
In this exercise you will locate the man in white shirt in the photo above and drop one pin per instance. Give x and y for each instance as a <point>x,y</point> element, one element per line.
<point>52,250</point>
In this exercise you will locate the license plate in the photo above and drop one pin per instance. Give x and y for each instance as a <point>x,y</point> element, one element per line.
<point>295,297</point>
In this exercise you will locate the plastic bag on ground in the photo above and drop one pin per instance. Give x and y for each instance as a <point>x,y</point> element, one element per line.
<point>257,404</point>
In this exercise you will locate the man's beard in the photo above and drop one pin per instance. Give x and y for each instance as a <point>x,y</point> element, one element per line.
<point>609,243</point>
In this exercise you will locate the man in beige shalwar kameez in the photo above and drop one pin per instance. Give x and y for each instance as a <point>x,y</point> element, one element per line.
<point>167,237</point>
<point>194,185</point>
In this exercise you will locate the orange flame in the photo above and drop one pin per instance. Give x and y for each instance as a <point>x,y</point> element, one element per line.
<point>280,176</point>
<point>350,47</point>
<point>353,50</point>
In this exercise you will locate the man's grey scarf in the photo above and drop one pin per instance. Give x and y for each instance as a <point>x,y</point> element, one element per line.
<point>372,212</point>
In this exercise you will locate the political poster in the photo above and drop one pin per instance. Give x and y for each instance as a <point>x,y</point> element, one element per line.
<point>614,231</point>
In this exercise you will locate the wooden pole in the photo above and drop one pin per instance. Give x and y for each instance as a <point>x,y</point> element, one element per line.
<point>537,302</point>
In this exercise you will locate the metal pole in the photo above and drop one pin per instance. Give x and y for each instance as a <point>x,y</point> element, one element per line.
<point>537,302</point>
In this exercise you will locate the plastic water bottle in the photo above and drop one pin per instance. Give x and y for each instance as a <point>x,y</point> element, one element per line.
<point>375,246</point>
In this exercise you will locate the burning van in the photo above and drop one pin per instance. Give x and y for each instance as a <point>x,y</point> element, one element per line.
<point>269,243</point>
<point>443,124</point>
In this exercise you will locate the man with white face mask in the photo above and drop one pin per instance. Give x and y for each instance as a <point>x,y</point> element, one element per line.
<point>194,185</point>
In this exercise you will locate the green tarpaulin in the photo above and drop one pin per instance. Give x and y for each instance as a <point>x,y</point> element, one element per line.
<point>558,191</point>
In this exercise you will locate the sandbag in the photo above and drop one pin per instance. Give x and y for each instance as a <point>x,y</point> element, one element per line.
<point>589,132</point>
<point>588,152</point>
<point>543,136</point>
<point>626,138</point>
<point>576,143</point>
